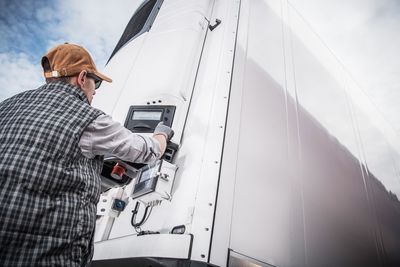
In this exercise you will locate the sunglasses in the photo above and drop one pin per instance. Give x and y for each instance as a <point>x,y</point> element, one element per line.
<point>97,81</point>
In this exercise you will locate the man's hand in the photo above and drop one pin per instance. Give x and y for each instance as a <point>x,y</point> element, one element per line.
<point>164,130</point>
<point>163,134</point>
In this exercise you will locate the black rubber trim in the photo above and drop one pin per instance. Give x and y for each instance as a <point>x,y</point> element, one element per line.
<point>150,262</point>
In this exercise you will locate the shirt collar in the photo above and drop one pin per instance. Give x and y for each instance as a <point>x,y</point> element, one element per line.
<point>72,89</point>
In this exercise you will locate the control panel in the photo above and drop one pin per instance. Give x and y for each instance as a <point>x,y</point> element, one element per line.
<point>154,182</point>
<point>144,119</point>
<point>141,119</point>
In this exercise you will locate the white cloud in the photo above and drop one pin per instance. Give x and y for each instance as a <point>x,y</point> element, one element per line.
<point>95,24</point>
<point>45,15</point>
<point>18,74</point>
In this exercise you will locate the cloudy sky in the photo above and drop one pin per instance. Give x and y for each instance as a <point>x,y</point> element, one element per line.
<point>363,34</point>
<point>28,28</point>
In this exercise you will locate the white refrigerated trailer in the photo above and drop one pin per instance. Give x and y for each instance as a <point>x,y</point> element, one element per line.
<point>273,162</point>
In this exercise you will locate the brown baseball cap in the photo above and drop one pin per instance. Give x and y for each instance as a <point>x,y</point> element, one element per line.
<point>68,60</point>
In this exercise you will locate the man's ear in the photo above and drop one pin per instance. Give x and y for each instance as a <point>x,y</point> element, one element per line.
<point>81,79</point>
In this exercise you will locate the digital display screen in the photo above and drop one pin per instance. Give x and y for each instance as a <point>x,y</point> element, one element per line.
<point>146,175</point>
<point>149,173</point>
<point>147,115</point>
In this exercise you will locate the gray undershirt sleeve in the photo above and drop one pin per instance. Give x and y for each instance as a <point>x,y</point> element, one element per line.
<point>104,136</point>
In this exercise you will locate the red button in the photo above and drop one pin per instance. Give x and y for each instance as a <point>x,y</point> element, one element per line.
<point>118,171</point>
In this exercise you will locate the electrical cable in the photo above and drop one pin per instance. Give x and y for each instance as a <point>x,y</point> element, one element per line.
<point>145,220</point>
<point>135,224</point>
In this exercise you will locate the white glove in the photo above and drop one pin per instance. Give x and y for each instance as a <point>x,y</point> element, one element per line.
<point>164,130</point>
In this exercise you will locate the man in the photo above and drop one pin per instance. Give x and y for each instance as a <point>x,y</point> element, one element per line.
<point>51,147</point>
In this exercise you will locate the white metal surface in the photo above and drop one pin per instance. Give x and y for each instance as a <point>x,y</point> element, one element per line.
<point>226,191</point>
<point>238,260</point>
<point>159,65</point>
<point>215,78</point>
<point>179,29</point>
<point>162,65</point>
<point>293,188</point>
<point>159,245</point>
<point>280,166</point>
<point>172,80</point>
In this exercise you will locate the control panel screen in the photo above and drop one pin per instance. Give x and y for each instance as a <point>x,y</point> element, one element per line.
<point>147,115</point>
<point>146,175</point>
<point>149,172</point>
<point>144,119</point>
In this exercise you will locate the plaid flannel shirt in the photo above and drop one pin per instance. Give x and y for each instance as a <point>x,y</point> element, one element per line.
<point>49,190</point>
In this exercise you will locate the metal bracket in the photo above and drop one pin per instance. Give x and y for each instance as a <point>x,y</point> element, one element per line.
<point>163,176</point>
<point>212,27</point>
